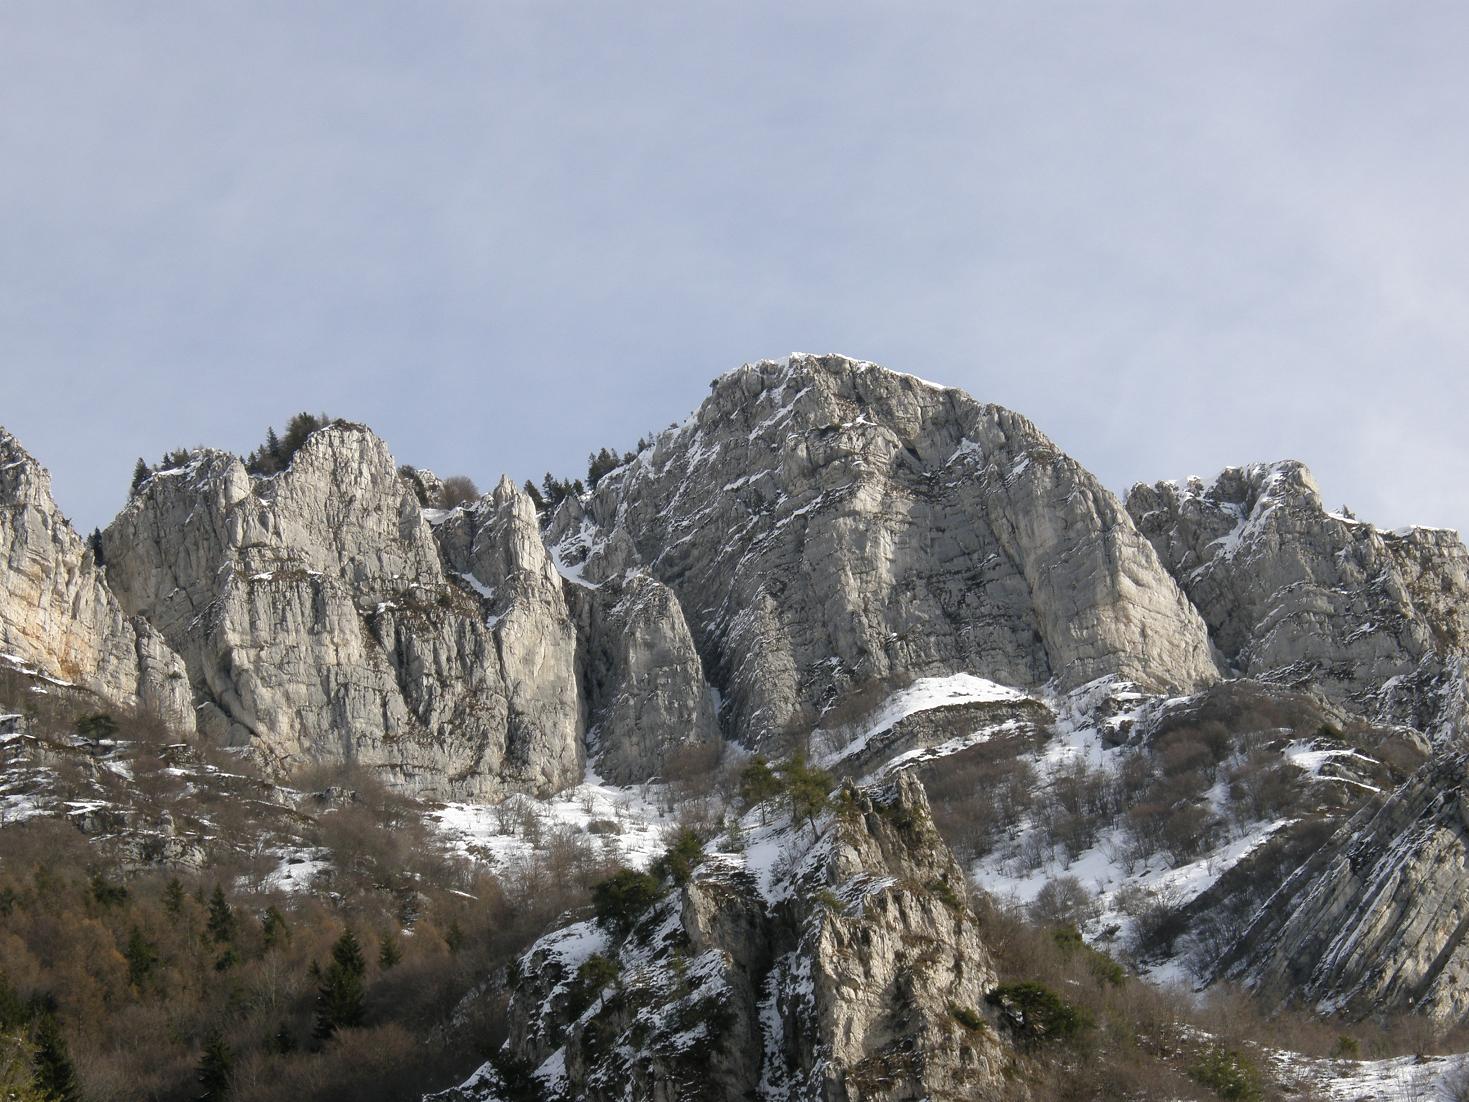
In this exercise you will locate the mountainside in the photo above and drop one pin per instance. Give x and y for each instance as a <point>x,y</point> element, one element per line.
<point>905,733</point>
<point>825,523</point>
<point>1297,594</point>
<point>801,966</point>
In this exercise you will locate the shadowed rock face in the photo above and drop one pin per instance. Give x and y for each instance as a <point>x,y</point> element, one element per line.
<point>824,522</point>
<point>56,611</point>
<point>1377,920</point>
<point>1295,593</point>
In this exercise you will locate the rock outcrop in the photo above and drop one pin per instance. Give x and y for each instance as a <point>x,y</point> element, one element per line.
<point>647,694</point>
<point>318,622</point>
<point>1376,921</point>
<point>1295,593</point>
<point>56,611</point>
<point>825,523</point>
<point>854,970</point>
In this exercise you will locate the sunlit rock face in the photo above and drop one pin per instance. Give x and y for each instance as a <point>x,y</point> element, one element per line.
<point>57,613</point>
<point>319,623</point>
<point>824,522</point>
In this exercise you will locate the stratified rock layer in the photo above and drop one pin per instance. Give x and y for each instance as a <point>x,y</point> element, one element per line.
<point>1376,921</point>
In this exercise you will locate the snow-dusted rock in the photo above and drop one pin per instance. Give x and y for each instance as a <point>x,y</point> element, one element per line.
<point>57,612</point>
<point>847,971</point>
<point>1295,593</point>
<point>647,693</point>
<point>1376,921</point>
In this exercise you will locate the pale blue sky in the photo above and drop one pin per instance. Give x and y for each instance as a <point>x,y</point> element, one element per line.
<point>1177,236</point>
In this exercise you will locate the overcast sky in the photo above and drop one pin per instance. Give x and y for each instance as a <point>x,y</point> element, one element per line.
<point>1177,236</point>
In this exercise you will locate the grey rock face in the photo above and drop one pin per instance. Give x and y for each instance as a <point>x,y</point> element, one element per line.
<point>1295,593</point>
<point>318,623</point>
<point>1377,920</point>
<point>824,522</point>
<point>57,612</point>
<point>645,682</point>
<point>836,979</point>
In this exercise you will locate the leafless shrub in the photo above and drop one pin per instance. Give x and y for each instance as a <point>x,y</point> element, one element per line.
<point>459,490</point>
<point>1064,901</point>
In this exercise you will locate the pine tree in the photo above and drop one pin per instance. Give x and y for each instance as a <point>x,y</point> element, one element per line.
<point>221,917</point>
<point>808,789</point>
<point>454,937</point>
<point>535,496</point>
<point>759,782</point>
<point>273,445</point>
<point>141,957</point>
<point>273,929</point>
<point>389,953</point>
<point>55,1077</point>
<point>340,996</point>
<point>173,897</point>
<point>94,544</point>
<point>215,1068</point>
<point>141,472</point>
<point>106,893</point>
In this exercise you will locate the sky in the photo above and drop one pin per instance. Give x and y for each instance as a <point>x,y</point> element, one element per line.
<point>503,234</point>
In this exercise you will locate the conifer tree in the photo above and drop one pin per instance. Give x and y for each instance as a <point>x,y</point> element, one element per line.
<point>389,952</point>
<point>807,787</point>
<point>340,996</point>
<point>221,917</point>
<point>141,471</point>
<point>759,782</point>
<point>55,1077</point>
<point>273,929</point>
<point>173,897</point>
<point>215,1068</point>
<point>141,957</point>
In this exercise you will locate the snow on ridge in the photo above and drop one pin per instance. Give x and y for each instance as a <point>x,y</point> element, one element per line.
<point>633,823</point>
<point>923,695</point>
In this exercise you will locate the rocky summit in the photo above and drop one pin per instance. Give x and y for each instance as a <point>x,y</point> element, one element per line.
<point>847,741</point>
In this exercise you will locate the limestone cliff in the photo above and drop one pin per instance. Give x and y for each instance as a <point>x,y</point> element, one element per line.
<point>56,611</point>
<point>318,621</point>
<point>825,523</point>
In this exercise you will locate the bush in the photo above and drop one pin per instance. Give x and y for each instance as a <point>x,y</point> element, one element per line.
<point>595,973</point>
<point>621,899</point>
<point>459,490</point>
<point>684,852</point>
<point>1228,1073</point>
<point>968,1018</point>
<point>1036,1015</point>
<point>1063,901</point>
